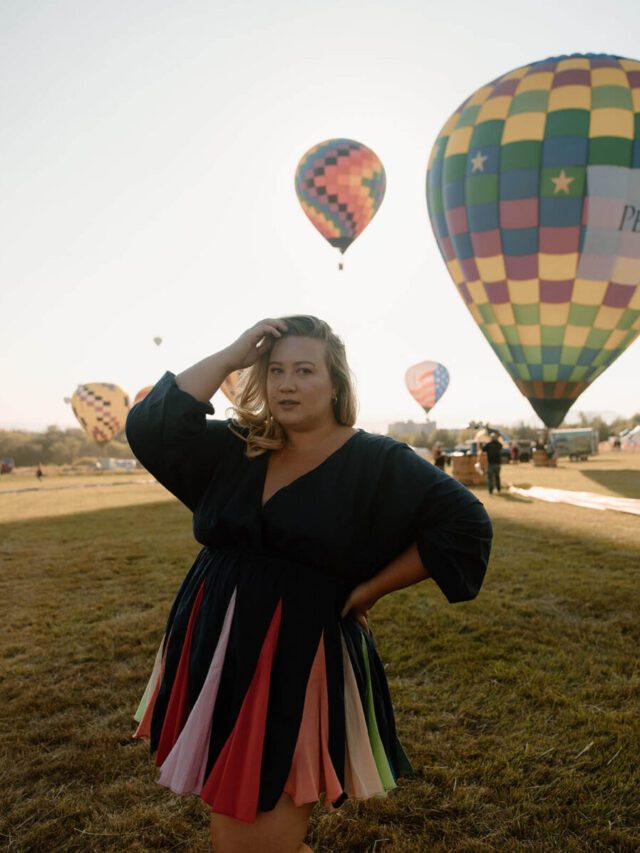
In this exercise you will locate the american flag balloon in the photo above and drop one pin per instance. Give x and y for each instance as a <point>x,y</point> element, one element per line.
<point>427,382</point>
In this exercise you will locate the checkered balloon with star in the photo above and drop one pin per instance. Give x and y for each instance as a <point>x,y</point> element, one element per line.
<point>533,191</point>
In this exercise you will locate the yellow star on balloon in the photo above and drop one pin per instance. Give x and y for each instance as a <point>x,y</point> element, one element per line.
<point>562,182</point>
<point>477,162</point>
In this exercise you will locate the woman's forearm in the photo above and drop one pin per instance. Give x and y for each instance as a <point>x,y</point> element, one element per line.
<point>404,571</point>
<point>203,379</point>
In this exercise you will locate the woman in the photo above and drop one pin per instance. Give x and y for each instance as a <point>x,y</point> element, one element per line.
<point>267,691</point>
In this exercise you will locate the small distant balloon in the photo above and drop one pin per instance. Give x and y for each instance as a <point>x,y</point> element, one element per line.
<point>157,341</point>
<point>142,393</point>
<point>427,381</point>
<point>101,409</point>
<point>340,185</point>
<point>67,400</point>
<point>232,385</point>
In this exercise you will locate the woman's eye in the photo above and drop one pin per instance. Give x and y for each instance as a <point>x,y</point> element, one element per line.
<point>305,370</point>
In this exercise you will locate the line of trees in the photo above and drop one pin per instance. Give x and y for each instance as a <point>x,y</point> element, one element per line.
<point>58,447</point>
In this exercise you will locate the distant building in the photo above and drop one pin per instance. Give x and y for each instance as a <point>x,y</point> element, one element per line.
<point>409,428</point>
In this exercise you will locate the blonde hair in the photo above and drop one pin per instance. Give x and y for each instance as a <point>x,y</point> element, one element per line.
<point>257,427</point>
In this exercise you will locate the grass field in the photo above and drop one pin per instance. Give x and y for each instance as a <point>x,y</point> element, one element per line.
<point>519,710</point>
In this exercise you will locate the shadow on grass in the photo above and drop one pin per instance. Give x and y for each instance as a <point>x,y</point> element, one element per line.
<point>625,483</point>
<point>530,686</point>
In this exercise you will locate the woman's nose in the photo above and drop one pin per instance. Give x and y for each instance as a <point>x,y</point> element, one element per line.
<point>287,382</point>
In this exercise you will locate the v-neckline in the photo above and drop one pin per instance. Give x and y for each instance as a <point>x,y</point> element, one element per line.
<point>267,456</point>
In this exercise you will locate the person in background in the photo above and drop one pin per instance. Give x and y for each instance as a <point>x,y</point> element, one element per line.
<point>493,453</point>
<point>39,472</point>
<point>439,458</point>
<point>514,452</point>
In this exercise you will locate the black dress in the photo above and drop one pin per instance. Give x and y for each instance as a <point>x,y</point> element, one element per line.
<point>259,686</point>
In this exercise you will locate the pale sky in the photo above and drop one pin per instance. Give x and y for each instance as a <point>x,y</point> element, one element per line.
<point>147,154</point>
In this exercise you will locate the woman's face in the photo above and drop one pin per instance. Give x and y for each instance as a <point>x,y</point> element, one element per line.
<point>299,387</point>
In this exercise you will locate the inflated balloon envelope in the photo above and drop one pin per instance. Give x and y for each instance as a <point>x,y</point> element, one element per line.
<point>142,393</point>
<point>232,385</point>
<point>533,190</point>
<point>101,409</point>
<point>426,382</point>
<point>340,185</point>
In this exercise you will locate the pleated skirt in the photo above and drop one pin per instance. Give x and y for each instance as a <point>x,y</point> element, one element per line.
<point>259,688</point>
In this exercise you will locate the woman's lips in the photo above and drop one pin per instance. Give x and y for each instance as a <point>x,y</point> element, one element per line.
<point>288,404</point>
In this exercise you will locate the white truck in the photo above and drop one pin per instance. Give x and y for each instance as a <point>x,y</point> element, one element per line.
<point>574,443</point>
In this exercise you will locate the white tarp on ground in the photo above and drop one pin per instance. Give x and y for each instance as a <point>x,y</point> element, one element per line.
<point>632,438</point>
<point>590,500</point>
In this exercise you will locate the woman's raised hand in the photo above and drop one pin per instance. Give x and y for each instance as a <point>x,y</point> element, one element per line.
<point>203,379</point>
<point>253,343</point>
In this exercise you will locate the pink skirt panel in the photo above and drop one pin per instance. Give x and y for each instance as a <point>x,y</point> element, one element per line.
<point>184,768</point>
<point>233,785</point>
<point>177,707</point>
<point>312,771</point>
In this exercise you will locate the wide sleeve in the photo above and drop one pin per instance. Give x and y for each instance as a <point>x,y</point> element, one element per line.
<point>171,437</point>
<point>449,524</point>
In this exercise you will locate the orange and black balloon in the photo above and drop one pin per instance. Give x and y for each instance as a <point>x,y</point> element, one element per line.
<point>340,185</point>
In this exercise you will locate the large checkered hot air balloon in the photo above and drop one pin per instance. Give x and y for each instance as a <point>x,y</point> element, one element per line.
<point>427,382</point>
<point>340,185</point>
<point>533,190</point>
<point>101,409</point>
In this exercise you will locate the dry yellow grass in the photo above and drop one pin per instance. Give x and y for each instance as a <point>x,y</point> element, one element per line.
<point>21,499</point>
<point>519,710</point>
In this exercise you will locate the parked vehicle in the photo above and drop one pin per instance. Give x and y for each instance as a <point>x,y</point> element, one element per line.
<point>525,449</point>
<point>574,443</point>
<point>473,448</point>
<point>7,464</point>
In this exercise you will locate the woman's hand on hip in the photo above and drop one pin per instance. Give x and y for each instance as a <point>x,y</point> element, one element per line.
<point>361,599</point>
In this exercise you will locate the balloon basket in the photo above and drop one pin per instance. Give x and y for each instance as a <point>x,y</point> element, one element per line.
<point>541,460</point>
<point>464,471</point>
